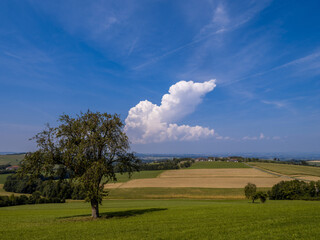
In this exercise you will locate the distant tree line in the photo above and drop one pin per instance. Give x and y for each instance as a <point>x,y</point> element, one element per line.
<point>274,160</point>
<point>35,198</point>
<point>176,163</point>
<point>61,189</point>
<point>277,160</point>
<point>295,190</point>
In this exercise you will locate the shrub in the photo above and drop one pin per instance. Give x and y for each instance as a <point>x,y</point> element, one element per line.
<point>262,196</point>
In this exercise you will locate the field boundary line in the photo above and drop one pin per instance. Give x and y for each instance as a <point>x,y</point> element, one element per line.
<point>275,173</point>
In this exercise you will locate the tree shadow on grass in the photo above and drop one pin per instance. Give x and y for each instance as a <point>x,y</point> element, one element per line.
<point>130,213</point>
<point>116,214</point>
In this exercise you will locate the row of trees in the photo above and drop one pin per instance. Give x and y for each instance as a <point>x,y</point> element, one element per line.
<point>61,189</point>
<point>176,163</point>
<point>35,198</point>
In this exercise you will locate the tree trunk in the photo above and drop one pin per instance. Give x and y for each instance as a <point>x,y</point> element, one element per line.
<point>95,208</point>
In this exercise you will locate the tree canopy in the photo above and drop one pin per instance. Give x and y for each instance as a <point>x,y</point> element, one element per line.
<point>90,148</point>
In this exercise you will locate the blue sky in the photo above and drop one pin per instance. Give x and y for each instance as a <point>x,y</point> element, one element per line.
<point>69,56</point>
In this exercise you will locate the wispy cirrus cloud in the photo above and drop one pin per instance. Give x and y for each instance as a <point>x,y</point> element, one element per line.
<point>221,21</point>
<point>148,122</point>
<point>260,137</point>
<point>307,62</point>
<point>278,104</point>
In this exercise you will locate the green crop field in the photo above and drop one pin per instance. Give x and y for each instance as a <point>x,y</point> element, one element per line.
<point>13,159</point>
<point>138,175</point>
<point>207,164</point>
<point>164,219</point>
<point>288,169</point>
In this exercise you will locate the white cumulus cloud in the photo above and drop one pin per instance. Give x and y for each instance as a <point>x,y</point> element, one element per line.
<point>148,122</point>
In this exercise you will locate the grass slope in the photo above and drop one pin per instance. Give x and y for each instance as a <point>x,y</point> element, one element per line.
<point>288,169</point>
<point>208,165</point>
<point>3,177</point>
<point>13,159</point>
<point>163,219</point>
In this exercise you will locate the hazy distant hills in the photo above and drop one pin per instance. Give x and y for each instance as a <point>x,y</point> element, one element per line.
<point>6,153</point>
<point>14,158</point>
<point>282,156</point>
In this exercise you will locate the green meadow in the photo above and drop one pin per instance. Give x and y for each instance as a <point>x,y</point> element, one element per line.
<point>164,219</point>
<point>208,165</point>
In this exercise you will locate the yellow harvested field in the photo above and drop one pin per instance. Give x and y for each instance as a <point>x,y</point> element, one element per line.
<point>202,182</point>
<point>308,178</point>
<point>211,178</point>
<point>205,178</point>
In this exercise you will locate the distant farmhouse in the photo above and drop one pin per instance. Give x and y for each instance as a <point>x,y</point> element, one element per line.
<point>11,168</point>
<point>201,159</point>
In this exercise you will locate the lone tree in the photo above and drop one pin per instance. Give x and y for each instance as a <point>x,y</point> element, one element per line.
<point>89,148</point>
<point>250,191</point>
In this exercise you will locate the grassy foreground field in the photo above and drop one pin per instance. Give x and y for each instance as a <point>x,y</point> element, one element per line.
<point>208,165</point>
<point>288,169</point>
<point>164,219</point>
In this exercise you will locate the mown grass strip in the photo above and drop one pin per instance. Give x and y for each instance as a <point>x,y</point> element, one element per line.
<point>178,193</point>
